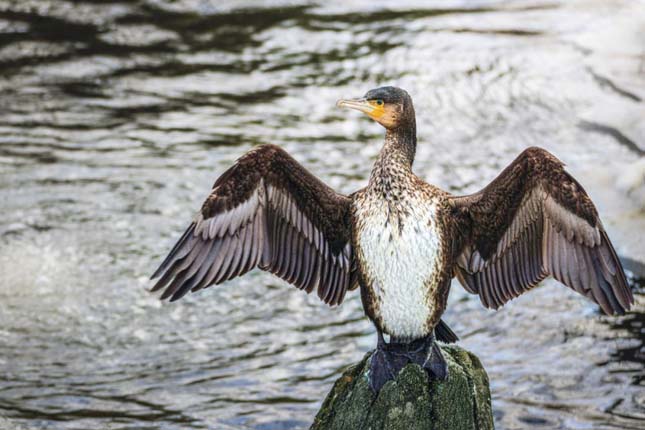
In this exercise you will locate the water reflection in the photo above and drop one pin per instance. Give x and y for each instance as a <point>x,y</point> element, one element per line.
<point>632,327</point>
<point>116,117</point>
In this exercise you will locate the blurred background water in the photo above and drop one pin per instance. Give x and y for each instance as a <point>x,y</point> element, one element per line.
<point>117,116</point>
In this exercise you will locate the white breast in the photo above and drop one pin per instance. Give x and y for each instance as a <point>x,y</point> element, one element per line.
<point>401,262</point>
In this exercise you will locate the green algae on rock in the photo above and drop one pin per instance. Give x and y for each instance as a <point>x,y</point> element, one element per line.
<point>411,401</point>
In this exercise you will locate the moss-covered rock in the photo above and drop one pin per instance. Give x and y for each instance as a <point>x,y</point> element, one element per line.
<point>412,401</point>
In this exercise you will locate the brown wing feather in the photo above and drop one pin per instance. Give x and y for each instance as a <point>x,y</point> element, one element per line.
<point>266,211</point>
<point>532,221</point>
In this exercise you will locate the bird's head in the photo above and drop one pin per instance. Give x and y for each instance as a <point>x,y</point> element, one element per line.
<point>389,106</point>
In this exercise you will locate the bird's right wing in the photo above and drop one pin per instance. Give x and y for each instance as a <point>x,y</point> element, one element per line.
<point>268,211</point>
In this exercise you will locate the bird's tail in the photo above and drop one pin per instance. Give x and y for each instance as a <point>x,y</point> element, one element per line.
<point>444,334</point>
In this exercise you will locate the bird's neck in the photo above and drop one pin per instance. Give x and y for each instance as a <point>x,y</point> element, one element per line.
<point>397,155</point>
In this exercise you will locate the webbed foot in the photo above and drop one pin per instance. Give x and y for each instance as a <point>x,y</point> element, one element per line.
<point>435,364</point>
<point>389,358</point>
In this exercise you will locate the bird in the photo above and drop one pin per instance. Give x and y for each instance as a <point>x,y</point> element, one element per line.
<point>399,239</point>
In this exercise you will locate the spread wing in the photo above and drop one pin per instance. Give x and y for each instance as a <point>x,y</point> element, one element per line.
<point>266,211</point>
<point>532,221</point>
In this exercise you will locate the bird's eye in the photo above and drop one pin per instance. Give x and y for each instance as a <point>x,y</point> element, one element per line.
<point>379,102</point>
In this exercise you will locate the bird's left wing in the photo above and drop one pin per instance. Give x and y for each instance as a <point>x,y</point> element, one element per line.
<point>532,221</point>
<point>266,211</point>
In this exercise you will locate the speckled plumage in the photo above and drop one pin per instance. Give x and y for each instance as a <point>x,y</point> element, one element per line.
<point>399,243</point>
<point>400,255</point>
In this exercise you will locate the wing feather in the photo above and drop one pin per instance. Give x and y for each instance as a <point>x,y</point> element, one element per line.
<point>266,211</point>
<point>532,221</point>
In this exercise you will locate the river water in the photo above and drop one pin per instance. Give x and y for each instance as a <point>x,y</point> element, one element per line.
<point>117,117</point>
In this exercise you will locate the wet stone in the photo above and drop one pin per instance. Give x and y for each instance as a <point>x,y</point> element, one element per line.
<point>412,401</point>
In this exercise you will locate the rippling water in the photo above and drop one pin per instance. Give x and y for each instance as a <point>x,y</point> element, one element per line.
<point>117,116</point>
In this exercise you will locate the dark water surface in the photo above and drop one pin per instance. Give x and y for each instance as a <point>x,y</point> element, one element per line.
<point>117,116</point>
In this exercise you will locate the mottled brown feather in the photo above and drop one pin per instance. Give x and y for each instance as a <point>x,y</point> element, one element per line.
<point>267,211</point>
<point>532,221</point>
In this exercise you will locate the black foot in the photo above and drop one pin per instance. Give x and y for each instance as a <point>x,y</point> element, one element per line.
<point>435,364</point>
<point>381,369</point>
<point>389,358</point>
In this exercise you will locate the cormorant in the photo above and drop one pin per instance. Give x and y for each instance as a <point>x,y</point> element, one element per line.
<point>400,239</point>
